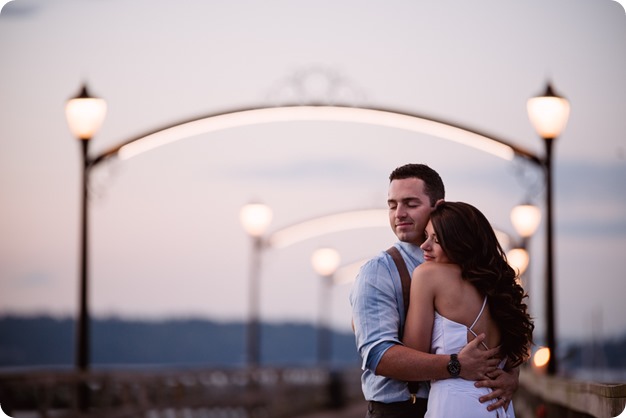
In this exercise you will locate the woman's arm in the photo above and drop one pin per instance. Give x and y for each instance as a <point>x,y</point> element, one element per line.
<point>421,314</point>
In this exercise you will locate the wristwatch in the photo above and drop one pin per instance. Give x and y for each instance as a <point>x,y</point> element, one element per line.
<point>454,367</point>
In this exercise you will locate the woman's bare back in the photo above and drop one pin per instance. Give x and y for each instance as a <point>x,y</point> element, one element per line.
<point>459,301</point>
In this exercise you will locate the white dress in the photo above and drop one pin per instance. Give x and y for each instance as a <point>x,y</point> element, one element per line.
<point>457,397</point>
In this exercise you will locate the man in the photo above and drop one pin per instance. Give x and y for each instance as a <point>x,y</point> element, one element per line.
<point>378,314</point>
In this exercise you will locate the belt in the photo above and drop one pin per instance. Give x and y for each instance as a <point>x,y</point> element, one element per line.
<point>398,407</point>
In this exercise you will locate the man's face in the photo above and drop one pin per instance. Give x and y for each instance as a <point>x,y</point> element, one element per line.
<point>409,209</point>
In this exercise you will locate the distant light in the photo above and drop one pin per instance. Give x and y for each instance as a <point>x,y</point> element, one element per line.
<point>325,261</point>
<point>525,219</point>
<point>316,113</point>
<point>518,259</point>
<point>541,357</point>
<point>255,218</point>
<point>548,113</point>
<point>85,114</point>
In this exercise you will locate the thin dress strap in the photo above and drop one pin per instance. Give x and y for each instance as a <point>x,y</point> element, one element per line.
<point>470,329</point>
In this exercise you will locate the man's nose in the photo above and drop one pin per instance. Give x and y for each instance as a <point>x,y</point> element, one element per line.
<point>400,211</point>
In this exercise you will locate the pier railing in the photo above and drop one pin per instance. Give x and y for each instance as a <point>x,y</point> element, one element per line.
<point>266,392</point>
<point>260,393</point>
<point>542,396</point>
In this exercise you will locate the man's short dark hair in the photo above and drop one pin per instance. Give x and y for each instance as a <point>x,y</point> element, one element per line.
<point>433,185</point>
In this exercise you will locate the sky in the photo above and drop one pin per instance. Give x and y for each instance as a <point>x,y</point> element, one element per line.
<point>165,238</point>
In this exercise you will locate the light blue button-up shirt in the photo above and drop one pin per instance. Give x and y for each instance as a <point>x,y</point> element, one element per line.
<point>378,315</point>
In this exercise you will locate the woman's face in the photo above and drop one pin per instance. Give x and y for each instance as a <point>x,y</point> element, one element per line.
<point>431,247</point>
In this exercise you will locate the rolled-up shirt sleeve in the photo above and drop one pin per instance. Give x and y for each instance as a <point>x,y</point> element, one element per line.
<point>375,311</point>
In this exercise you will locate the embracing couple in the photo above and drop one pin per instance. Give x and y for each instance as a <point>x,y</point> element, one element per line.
<point>455,350</point>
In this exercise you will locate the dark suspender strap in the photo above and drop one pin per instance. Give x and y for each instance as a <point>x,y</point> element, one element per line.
<point>405,278</point>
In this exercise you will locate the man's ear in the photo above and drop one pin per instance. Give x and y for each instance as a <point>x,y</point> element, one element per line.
<point>440,201</point>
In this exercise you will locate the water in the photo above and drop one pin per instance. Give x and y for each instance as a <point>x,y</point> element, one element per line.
<point>599,375</point>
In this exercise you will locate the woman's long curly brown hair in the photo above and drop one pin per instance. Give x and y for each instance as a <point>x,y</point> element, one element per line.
<point>468,240</point>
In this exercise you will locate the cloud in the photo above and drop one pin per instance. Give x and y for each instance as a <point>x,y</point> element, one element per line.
<point>611,227</point>
<point>34,278</point>
<point>314,170</point>
<point>586,201</point>
<point>577,180</point>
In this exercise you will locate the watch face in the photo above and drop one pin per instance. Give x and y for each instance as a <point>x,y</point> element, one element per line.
<point>454,367</point>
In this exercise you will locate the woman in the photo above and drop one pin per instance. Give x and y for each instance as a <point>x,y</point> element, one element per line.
<point>464,288</point>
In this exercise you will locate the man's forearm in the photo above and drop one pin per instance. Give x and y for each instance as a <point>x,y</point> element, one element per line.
<point>404,363</point>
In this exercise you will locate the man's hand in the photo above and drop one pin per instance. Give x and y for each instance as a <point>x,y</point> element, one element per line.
<point>477,363</point>
<point>503,385</point>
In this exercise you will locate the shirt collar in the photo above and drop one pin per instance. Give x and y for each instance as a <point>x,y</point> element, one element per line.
<point>412,251</point>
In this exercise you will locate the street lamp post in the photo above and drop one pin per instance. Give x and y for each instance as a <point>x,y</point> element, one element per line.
<point>325,262</point>
<point>85,115</point>
<point>548,114</point>
<point>255,218</point>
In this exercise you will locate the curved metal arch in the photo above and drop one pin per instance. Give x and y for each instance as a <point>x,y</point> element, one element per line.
<point>328,224</point>
<point>339,222</point>
<point>372,116</point>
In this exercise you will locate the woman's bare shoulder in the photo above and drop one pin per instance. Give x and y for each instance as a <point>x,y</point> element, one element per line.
<point>436,273</point>
<point>433,267</point>
<point>433,271</point>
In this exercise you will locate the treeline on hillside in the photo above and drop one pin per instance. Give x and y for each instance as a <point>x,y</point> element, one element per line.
<point>47,341</point>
